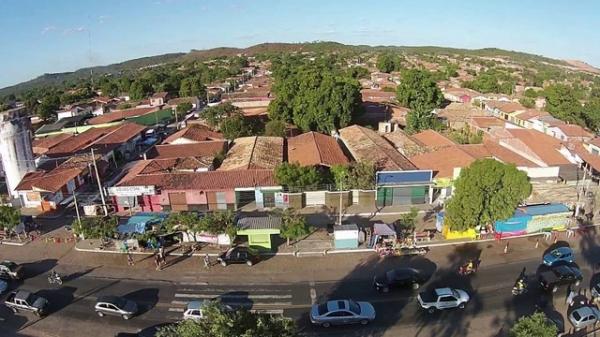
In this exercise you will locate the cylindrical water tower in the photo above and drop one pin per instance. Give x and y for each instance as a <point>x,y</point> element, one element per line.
<point>15,146</point>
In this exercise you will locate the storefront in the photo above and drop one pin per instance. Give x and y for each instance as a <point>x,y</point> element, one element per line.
<point>404,188</point>
<point>259,230</point>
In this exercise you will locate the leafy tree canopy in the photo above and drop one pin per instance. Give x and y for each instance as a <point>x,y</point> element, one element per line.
<point>388,62</point>
<point>293,225</point>
<point>484,192</point>
<point>10,218</point>
<point>295,176</point>
<point>275,128</point>
<point>240,323</point>
<point>418,91</point>
<point>96,227</point>
<point>229,120</point>
<point>313,96</point>
<point>527,102</point>
<point>358,175</point>
<point>536,325</point>
<point>562,103</point>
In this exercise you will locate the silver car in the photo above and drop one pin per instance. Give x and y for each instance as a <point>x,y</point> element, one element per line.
<point>585,316</point>
<point>341,312</point>
<point>116,306</point>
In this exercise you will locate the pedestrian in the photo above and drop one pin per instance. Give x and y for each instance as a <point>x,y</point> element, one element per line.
<point>206,261</point>
<point>130,258</point>
<point>570,298</point>
<point>161,252</point>
<point>157,262</point>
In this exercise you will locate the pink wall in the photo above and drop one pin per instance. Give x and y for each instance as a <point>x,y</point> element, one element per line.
<point>196,198</point>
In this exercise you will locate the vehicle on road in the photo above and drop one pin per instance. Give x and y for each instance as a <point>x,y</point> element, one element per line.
<point>443,298</point>
<point>342,312</point>
<point>24,300</point>
<point>238,255</point>
<point>560,275</point>
<point>468,268</point>
<point>596,290</point>
<point>3,287</point>
<point>520,286</point>
<point>11,270</point>
<point>561,254</point>
<point>584,316</point>
<point>399,277</point>
<point>194,309</point>
<point>115,306</point>
<point>54,277</point>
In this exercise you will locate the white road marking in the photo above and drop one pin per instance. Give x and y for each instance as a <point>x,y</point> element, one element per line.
<point>176,309</point>
<point>236,296</point>
<point>194,283</point>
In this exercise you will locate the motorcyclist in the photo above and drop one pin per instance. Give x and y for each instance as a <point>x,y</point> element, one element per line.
<point>520,285</point>
<point>470,266</point>
<point>54,276</point>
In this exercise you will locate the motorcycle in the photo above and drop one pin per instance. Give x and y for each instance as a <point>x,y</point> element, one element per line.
<point>520,287</point>
<point>54,278</point>
<point>464,270</point>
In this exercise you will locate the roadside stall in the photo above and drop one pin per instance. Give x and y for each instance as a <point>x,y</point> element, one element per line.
<point>384,239</point>
<point>345,236</point>
<point>259,230</point>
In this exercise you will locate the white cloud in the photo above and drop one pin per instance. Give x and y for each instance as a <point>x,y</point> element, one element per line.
<point>48,29</point>
<point>76,30</point>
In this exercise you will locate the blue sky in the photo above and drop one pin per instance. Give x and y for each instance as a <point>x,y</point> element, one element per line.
<point>53,36</point>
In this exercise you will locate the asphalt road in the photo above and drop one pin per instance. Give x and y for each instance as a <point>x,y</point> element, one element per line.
<point>490,312</point>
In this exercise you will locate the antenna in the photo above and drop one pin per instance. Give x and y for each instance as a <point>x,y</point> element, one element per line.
<point>90,51</point>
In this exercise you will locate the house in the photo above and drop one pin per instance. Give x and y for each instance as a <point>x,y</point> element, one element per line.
<point>193,100</point>
<point>256,152</point>
<point>194,133</point>
<point>394,120</point>
<point>456,115</point>
<point>72,111</point>
<point>397,180</point>
<point>145,189</point>
<point>45,190</point>
<point>315,149</point>
<point>378,96</point>
<point>197,156</point>
<point>461,95</point>
<point>119,115</point>
<point>485,123</point>
<point>504,109</point>
<point>42,145</point>
<point>159,98</point>
<point>569,132</point>
<point>593,146</point>
<point>58,126</point>
<point>259,230</point>
<point>432,140</point>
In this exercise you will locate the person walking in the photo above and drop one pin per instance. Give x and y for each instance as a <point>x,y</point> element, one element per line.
<point>161,255</point>
<point>157,262</point>
<point>206,261</point>
<point>129,256</point>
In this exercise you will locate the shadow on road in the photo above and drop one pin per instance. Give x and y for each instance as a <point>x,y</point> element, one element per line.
<point>58,298</point>
<point>145,298</point>
<point>34,269</point>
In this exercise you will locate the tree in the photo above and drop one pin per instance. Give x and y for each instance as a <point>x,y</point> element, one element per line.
<point>236,126</point>
<point>358,72</point>
<point>386,63</point>
<point>295,176</point>
<point>466,136</point>
<point>96,227</point>
<point>562,103</point>
<point>591,114</point>
<point>358,175</point>
<point>215,115</point>
<point>314,97</point>
<point>183,108</point>
<point>536,325</point>
<point>531,93</point>
<point>293,225</point>
<point>109,88</point>
<point>217,223</point>
<point>407,222</point>
<point>417,120</point>
<point>418,91</point>
<point>239,323</point>
<point>527,102</point>
<point>47,108</point>
<point>10,218</point>
<point>275,128</point>
<point>180,221</point>
<point>140,89</point>
<point>192,86</point>
<point>484,192</point>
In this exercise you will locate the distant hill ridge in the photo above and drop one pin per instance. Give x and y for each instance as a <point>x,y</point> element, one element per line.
<point>131,65</point>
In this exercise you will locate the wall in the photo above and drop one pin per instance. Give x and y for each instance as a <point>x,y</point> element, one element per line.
<point>541,172</point>
<point>15,147</point>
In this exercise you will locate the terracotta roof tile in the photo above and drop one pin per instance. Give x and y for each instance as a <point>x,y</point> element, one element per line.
<point>504,106</point>
<point>194,133</point>
<point>42,145</point>
<point>79,142</point>
<point>443,161</point>
<point>51,181</point>
<point>201,149</point>
<point>313,148</point>
<point>432,139</point>
<point>574,130</point>
<point>255,152</point>
<point>366,145</point>
<point>544,146</point>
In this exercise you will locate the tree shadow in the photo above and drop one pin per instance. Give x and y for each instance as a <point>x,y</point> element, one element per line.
<point>236,300</point>
<point>58,298</point>
<point>33,269</point>
<point>78,274</point>
<point>589,246</point>
<point>11,323</point>
<point>146,299</point>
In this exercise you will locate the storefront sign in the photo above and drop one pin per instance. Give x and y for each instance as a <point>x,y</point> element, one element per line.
<point>131,191</point>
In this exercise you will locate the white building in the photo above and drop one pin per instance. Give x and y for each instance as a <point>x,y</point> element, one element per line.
<point>15,147</point>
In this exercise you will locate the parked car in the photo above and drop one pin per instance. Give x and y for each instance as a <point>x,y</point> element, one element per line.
<point>443,298</point>
<point>194,309</point>
<point>585,316</point>
<point>596,291</point>
<point>23,300</point>
<point>11,270</point>
<point>341,312</point>
<point>400,277</point>
<point>564,254</point>
<point>3,287</point>
<point>238,255</point>
<point>560,275</point>
<point>116,306</point>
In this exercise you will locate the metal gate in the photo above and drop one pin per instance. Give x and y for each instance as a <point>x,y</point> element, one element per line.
<point>316,198</point>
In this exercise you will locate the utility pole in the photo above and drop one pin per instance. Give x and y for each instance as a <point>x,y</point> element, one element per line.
<point>76,207</point>
<point>176,119</point>
<point>99,185</point>
<point>340,211</point>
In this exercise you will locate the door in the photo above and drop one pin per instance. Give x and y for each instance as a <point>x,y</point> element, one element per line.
<point>268,199</point>
<point>448,302</point>
<point>401,196</point>
<point>221,200</point>
<point>178,201</point>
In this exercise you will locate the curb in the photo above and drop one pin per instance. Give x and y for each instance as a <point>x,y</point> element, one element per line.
<point>456,243</point>
<point>10,243</point>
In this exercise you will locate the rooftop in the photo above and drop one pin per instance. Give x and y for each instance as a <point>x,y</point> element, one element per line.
<point>194,133</point>
<point>42,145</point>
<point>254,152</point>
<point>486,122</point>
<point>432,139</point>
<point>118,115</point>
<point>313,148</point>
<point>443,161</point>
<point>574,130</point>
<point>366,145</point>
<point>200,149</point>
<point>543,146</point>
<point>505,106</point>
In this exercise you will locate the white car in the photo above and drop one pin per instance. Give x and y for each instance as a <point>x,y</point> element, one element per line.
<point>341,312</point>
<point>585,316</point>
<point>443,298</point>
<point>194,309</point>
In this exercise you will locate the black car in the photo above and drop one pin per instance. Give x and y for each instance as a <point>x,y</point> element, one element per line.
<point>400,277</point>
<point>11,270</point>
<point>560,275</point>
<point>238,255</point>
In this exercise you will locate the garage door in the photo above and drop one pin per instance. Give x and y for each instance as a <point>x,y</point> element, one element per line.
<point>178,202</point>
<point>314,198</point>
<point>245,197</point>
<point>402,196</point>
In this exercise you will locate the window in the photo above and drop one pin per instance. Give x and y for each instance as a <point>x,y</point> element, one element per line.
<point>340,314</point>
<point>447,299</point>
